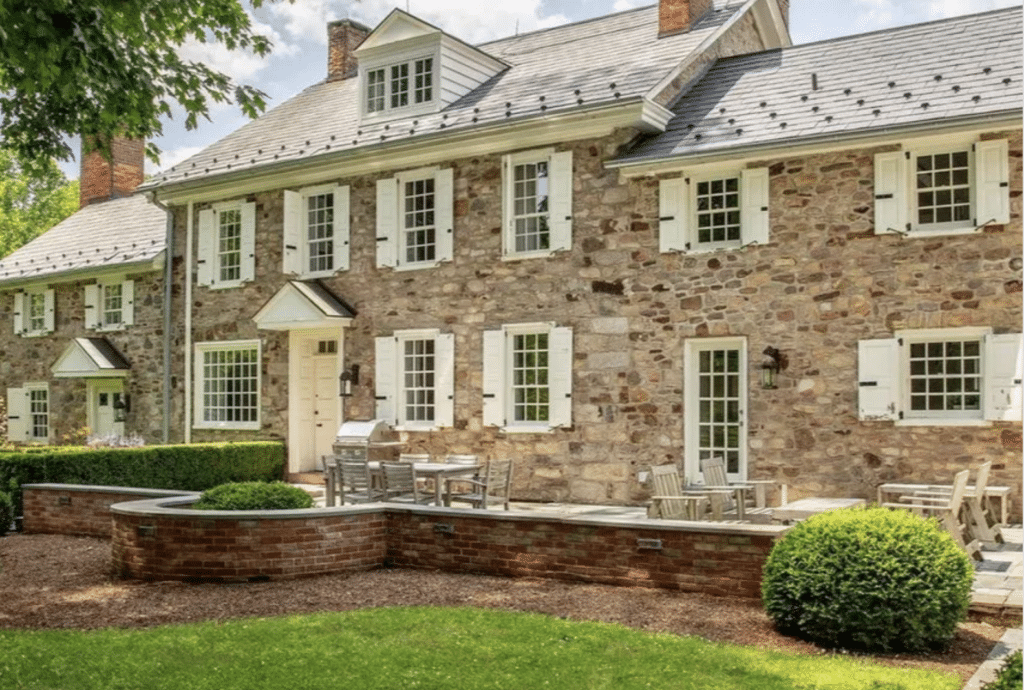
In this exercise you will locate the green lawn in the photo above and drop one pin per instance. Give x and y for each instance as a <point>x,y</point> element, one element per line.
<point>463,648</point>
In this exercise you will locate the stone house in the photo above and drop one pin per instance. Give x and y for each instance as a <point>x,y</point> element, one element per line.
<point>83,334</point>
<point>698,240</point>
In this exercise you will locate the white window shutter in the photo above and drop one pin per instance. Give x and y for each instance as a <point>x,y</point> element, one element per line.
<point>754,212</point>
<point>560,377</point>
<point>878,372</point>
<point>1004,364</point>
<point>206,243</point>
<point>387,222</point>
<point>248,241</point>
<point>891,203</point>
<point>673,206</point>
<point>341,227</point>
<point>92,306</point>
<point>385,384</point>
<point>444,380</point>
<point>444,220</point>
<point>560,200</point>
<point>50,315</point>
<point>992,181</point>
<point>494,378</point>
<point>19,312</point>
<point>128,303</point>
<point>291,262</point>
<point>17,415</point>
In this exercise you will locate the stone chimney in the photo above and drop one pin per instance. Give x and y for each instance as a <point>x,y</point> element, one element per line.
<point>343,37</point>
<point>102,179</point>
<point>677,16</point>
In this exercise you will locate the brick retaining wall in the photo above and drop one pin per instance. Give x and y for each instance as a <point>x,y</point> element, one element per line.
<point>79,510</point>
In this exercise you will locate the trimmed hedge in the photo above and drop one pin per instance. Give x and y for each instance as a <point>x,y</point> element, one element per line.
<point>194,467</point>
<point>874,579</point>
<point>254,496</point>
<point>1009,677</point>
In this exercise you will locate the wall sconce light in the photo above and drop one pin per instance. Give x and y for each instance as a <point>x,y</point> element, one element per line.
<point>348,378</point>
<point>122,406</point>
<point>770,368</point>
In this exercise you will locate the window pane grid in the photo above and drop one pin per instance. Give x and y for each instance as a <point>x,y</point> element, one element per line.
<point>112,305</point>
<point>424,76</point>
<point>39,410</point>
<point>418,380</point>
<point>530,392</point>
<point>400,85</point>
<point>718,402</point>
<point>375,91</point>
<point>231,385</point>
<point>229,245</point>
<point>418,218</point>
<point>530,189</point>
<point>718,210</point>
<point>945,377</point>
<point>943,188</point>
<point>37,312</point>
<point>320,232</point>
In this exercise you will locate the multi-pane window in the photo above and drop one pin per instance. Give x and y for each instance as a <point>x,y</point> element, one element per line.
<point>419,229</point>
<point>717,206</point>
<point>400,85</point>
<point>375,87</point>
<point>36,312</point>
<point>229,245</point>
<point>945,378</point>
<point>418,380</point>
<point>112,297</point>
<point>423,90</point>
<point>530,393</point>
<point>943,185</point>
<point>320,231</point>
<point>719,420</point>
<point>39,413</point>
<point>530,207</point>
<point>229,385</point>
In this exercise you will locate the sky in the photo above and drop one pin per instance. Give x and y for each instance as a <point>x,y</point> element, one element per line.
<point>299,32</point>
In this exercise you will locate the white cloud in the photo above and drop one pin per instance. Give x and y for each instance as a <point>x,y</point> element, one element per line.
<point>940,9</point>
<point>170,158</point>
<point>874,14</point>
<point>623,5</point>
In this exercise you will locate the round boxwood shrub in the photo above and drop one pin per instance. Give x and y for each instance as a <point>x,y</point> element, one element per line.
<point>873,579</point>
<point>6,512</point>
<point>254,496</point>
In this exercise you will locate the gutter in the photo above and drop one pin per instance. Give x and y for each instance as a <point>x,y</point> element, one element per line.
<point>76,274</point>
<point>168,277</point>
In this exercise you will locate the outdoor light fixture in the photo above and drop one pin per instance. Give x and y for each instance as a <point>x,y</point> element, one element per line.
<point>770,368</point>
<point>348,378</point>
<point>122,406</point>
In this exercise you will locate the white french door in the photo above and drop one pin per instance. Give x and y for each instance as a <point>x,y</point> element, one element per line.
<point>715,391</point>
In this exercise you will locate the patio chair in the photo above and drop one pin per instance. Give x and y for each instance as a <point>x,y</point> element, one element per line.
<point>742,500</point>
<point>981,522</point>
<point>947,509</point>
<point>493,485</point>
<point>669,501</point>
<point>353,482</point>
<point>400,483</point>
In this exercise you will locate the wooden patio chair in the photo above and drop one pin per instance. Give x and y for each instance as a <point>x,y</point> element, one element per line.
<point>981,522</point>
<point>400,483</point>
<point>353,482</point>
<point>947,509</point>
<point>669,501</point>
<point>741,500</point>
<point>493,485</point>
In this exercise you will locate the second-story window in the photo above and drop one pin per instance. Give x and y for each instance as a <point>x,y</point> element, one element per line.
<point>34,312</point>
<point>109,304</point>
<point>316,230</point>
<point>227,251</point>
<point>537,203</point>
<point>229,246</point>
<point>400,85</point>
<point>414,218</point>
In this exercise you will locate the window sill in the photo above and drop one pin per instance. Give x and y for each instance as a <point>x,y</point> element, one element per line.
<point>942,422</point>
<point>109,329</point>
<point>228,426</point>
<point>35,334</point>
<point>417,266</point>
<point>528,429</point>
<point>925,231</point>
<point>710,249</point>
<point>416,427</point>
<point>520,256</point>
<point>226,285</point>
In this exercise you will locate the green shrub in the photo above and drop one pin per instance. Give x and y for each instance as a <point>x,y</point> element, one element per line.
<point>6,512</point>
<point>874,579</point>
<point>254,496</point>
<point>1009,677</point>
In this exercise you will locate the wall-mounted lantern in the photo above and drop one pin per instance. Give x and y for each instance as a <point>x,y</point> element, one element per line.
<point>348,378</point>
<point>770,368</point>
<point>122,406</point>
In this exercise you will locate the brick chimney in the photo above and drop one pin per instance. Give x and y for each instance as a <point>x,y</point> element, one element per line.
<point>677,16</point>
<point>343,37</point>
<point>102,179</point>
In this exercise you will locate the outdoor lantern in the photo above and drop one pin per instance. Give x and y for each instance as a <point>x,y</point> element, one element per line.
<point>770,368</point>
<point>348,378</point>
<point>122,406</point>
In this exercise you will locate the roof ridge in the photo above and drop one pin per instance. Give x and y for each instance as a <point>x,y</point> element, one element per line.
<point>564,26</point>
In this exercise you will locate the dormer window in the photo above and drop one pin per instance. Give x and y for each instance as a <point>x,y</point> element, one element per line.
<point>400,85</point>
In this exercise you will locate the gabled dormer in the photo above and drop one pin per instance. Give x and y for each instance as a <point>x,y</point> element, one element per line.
<point>408,67</point>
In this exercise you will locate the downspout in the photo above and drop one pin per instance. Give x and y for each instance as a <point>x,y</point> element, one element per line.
<point>168,277</point>
<point>188,325</point>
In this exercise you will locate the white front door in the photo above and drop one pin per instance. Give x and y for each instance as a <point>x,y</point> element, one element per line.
<point>314,403</point>
<point>716,405</point>
<point>103,395</point>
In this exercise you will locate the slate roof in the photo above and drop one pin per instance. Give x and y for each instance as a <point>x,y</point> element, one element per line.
<point>102,235</point>
<point>962,68</point>
<point>566,68</point>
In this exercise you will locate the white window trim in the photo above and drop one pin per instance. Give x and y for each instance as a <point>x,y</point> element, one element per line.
<point>677,212</point>
<point>22,316</point>
<point>560,203</point>
<point>497,409</point>
<point>429,47</point>
<point>94,306</point>
<point>295,252</point>
<point>211,346</point>
<point>208,273</point>
<point>391,233</point>
<point>896,186</point>
<point>389,390</point>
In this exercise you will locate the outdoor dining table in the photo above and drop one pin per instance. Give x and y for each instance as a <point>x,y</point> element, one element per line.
<point>892,492</point>
<point>438,471</point>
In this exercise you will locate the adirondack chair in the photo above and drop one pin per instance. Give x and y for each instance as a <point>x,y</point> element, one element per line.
<point>670,501</point>
<point>947,509</point>
<point>493,485</point>
<point>981,522</point>
<point>353,483</point>
<point>744,500</point>
<point>400,483</point>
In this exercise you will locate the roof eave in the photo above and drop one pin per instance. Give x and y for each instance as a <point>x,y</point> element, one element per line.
<point>70,275</point>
